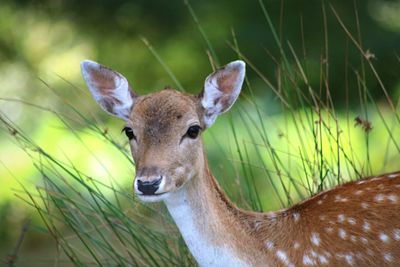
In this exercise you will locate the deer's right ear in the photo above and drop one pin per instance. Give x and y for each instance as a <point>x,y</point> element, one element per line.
<point>109,88</point>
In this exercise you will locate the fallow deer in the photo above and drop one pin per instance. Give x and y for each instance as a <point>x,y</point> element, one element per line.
<point>355,224</point>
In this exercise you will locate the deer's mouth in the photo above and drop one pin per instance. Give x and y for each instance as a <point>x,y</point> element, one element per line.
<point>158,194</point>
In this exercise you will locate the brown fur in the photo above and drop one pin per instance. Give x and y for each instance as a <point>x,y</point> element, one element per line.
<point>249,233</point>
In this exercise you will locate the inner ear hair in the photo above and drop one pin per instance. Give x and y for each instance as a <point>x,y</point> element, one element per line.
<point>109,88</point>
<point>221,89</point>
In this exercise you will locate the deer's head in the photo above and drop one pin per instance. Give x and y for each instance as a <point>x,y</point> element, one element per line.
<point>164,128</point>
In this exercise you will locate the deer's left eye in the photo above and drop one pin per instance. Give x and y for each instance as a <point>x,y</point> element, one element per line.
<point>129,133</point>
<point>193,131</point>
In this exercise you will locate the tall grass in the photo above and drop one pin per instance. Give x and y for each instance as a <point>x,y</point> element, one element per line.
<point>267,161</point>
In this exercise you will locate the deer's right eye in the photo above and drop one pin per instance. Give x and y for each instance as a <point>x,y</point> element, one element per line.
<point>129,133</point>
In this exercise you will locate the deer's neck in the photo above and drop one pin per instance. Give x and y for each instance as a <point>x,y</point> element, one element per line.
<point>216,232</point>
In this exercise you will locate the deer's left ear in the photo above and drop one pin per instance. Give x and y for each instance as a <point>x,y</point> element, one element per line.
<point>221,89</point>
<point>109,88</point>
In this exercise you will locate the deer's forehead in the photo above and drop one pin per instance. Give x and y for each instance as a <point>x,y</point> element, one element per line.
<point>163,110</point>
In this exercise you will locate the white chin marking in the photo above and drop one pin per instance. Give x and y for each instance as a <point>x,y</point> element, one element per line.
<point>153,198</point>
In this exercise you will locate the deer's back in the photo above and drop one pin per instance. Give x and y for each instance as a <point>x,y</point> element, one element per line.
<point>355,224</point>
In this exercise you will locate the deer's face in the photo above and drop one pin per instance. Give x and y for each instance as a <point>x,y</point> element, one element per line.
<point>164,128</point>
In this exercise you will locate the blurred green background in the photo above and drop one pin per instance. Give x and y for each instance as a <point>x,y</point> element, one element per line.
<point>42,43</point>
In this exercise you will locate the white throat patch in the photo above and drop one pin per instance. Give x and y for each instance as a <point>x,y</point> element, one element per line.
<point>205,252</point>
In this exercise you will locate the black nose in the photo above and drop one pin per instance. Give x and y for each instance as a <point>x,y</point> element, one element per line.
<point>148,187</point>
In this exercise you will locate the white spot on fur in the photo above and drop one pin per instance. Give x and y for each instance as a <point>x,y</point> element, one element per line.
<point>393,198</point>
<point>283,257</point>
<point>366,226</point>
<point>313,253</point>
<point>341,218</point>
<point>388,257</point>
<point>364,240</point>
<point>258,224</point>
<point>326,254</point>
<point>322,259</point>
<point>396,234</point>
<point>353,238</point>
<point>296,245</point>
<point>358,192</point>
<point>269,244</point>
<point>364,205</point>
<point>393,175</point>
<point>379,198</point>
<point>351,221</point>
<point>315,239</point>
<point>296,216</point>
<point>319,202</point>
<point>349,259</point>
<point>339,198</point>
<point>307,260</point>
<point>375,179</point>
<point>361,182</point>
<point>322,217</point>
<point>384,237</point>
<point>342,233</point>
<point>329,230</point>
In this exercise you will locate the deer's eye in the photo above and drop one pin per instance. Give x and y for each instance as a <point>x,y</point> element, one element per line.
<point>129,133</point>
<point>193,131</point>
